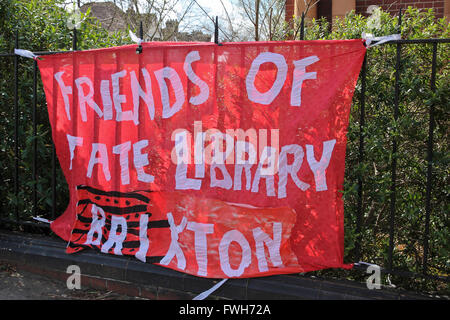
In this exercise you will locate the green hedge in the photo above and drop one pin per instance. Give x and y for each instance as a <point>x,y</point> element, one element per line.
<point>411,132</point>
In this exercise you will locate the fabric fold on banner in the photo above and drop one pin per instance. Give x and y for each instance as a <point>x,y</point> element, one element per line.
<point>216,161</point>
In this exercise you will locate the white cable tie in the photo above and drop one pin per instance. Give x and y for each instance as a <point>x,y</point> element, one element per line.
<point>134,37</point>
<point>25,53</point>
<point>366,263</point>
<point>206,293</point>
<point>42,220</point>
<point>379,40</point>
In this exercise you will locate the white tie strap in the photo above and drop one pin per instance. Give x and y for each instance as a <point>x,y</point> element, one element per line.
<point>25,53</point>
<point>379,40</point>
<point>42,220</point>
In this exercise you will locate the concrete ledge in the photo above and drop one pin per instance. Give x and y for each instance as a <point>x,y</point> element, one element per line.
<point>126,275</point>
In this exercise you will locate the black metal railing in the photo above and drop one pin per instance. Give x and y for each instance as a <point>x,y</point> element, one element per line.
<point>390,269</point>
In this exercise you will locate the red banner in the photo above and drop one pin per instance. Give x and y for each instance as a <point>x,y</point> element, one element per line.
<point>218,161</point>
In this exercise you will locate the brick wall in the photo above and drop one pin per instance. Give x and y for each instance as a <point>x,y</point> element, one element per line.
<point>394,5</point>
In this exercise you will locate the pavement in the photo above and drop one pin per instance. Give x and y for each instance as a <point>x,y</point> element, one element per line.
<point>22,285</point>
